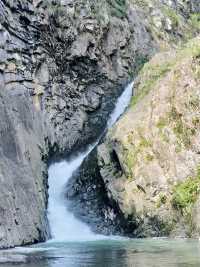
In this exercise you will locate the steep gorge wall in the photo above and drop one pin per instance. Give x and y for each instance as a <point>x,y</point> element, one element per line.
<point>150,160</point>
<point>62,66</point>
<point>60,72</point>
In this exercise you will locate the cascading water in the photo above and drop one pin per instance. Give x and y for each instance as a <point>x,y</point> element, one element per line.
<point>64,226</point>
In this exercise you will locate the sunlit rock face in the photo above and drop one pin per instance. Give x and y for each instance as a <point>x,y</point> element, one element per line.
<point>150,159</point>
<point>62,65</point>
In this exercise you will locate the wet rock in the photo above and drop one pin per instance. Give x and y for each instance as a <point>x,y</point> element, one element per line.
<point>86,197</point>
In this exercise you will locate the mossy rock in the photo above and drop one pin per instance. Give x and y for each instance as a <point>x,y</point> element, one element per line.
<point>185,193</point>
<point>118,8</point>
<point>159,141</point>
<point>155,70</point>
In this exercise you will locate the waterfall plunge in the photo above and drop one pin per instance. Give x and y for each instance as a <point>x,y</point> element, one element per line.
<point>64,226</point>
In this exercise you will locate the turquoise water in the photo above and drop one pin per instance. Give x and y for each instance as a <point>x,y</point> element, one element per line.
<point>111,253</point>
<point>99,251</point>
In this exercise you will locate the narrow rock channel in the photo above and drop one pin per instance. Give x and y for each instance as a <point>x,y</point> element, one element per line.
<point>63,224</point>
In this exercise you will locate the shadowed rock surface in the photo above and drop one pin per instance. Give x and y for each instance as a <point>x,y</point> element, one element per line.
<point>88,199</point>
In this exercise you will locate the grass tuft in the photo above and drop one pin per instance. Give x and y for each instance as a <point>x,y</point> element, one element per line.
<point>186,193</point>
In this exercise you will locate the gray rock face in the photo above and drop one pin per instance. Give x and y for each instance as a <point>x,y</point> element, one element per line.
<point>62,65</point>
<point>22,173</point>
<point>195,6</point>
<point>60,72</point>
<point>87,57</point>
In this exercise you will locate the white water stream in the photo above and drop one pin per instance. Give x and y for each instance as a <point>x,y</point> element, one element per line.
<point>64,226</point>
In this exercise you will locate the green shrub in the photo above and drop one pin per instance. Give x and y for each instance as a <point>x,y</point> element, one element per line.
<point>153,73</point>
<point>172,15</point>
<point>118,8</point>
<point>185,194</point>
<point>162,123</point>
<point>195,21</point>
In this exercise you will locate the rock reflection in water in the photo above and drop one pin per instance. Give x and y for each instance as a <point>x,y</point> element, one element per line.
<point>112,253</point>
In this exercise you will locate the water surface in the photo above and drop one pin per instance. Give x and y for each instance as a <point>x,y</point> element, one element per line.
<point>63,224</point>
<point>114,253</point>
<point>74,245</point>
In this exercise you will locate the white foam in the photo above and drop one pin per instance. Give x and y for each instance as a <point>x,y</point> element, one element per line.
<point>27,250</point>
<point>64,226</point>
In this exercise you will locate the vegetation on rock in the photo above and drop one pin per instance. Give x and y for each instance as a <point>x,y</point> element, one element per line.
<point>157,143</point>
<point>186,193</point>
<point>151,74</point>
<point>155,70</point>
<point>118,8</point>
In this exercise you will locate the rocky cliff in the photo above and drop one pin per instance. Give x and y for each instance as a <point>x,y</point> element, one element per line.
<point>91,195</point>
<point>150,160</point>
<point>62,65</point>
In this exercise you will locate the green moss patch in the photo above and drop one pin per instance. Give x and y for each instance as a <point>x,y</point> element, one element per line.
<point>190,49</point>
<point>152,72</point>
<point>149,157</point>
<point>132,151</point>
<point>194,21</point>
<point>144,142</point>
<point>162,122</point>
<point>118,8</point>
<point>131,158</point>
<point>172,15</point>
<point>180,129</point>
<point>186,193</point>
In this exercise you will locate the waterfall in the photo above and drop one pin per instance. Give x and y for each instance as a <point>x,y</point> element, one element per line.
<point>64,226</point>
